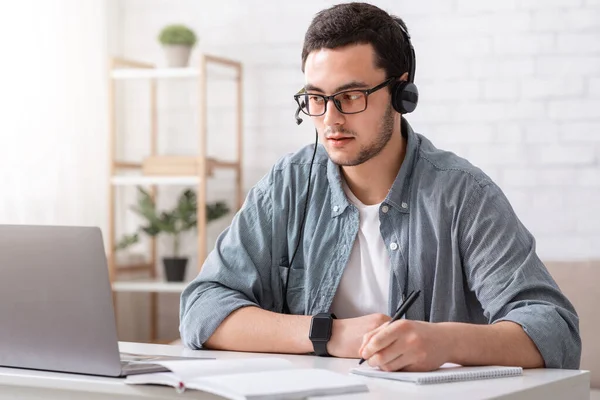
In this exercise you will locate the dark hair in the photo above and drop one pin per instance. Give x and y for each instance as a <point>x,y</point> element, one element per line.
<point>360,23</point>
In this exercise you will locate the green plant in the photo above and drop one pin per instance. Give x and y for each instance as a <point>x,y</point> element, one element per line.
<point>177,34</point>
<point>174,222</point>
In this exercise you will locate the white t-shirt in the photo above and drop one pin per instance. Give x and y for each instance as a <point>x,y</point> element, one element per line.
<point>364,288</point>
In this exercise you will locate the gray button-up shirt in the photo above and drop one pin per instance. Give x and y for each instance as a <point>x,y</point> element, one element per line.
<point>448,229</point>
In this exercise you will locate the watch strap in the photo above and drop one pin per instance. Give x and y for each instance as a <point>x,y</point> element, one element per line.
<point>320,348</point>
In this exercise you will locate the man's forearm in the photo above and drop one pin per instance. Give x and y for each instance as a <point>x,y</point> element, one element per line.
<point>256,330</point>
<point>503,343</point>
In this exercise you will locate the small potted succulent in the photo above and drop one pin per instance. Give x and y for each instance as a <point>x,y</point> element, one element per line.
<point>178,41</point>
<point>173,222</point>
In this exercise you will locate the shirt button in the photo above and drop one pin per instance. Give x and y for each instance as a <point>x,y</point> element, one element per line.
<point>335,208</point>
<point>384,209</point>
<point>394,246</point>
<point>404,205</point>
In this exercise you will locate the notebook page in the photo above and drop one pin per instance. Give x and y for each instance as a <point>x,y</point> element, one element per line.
<point>282,384</point>
<point>446,373</point>
<point>188,369</point>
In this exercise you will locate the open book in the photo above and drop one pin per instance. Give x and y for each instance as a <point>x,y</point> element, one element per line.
<point>251,379</point>
<point>446,373</point>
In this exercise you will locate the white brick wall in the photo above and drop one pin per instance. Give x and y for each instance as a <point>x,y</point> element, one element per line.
<point>514,86</point>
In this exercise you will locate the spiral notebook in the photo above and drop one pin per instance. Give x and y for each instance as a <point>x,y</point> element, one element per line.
<point>446,373</point>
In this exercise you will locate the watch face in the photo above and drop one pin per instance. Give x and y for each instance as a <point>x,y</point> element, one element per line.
<point>320,328</point>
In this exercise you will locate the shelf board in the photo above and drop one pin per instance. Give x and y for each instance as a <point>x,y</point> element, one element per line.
<point>146,286</point>
<point>154,73</point>
<point>214,163</point>
<point>134,180</point>
<point>168,73</point>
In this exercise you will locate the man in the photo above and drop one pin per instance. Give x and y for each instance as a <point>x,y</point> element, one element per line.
<point>386,214</point>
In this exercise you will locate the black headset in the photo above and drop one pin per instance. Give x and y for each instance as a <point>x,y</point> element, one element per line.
<point>405,97</point>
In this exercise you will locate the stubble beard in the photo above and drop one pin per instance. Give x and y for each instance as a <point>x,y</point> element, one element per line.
<point>366,152</point>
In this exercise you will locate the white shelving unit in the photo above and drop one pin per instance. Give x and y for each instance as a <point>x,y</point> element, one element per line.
<point>127,173</point>
<point>148,286</point>
<point>134,73</point>
<point>154,73</point>
<point>154,180</point>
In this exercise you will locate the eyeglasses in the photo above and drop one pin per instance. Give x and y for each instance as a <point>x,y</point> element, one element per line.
<point>347,101</point>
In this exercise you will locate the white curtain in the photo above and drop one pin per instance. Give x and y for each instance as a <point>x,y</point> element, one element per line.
<point>53,112</point>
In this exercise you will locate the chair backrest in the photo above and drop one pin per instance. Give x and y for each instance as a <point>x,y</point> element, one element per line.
<point>579,282</point>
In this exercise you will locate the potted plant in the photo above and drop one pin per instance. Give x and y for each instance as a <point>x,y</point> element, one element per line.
<point>177,41</point>
<point>173,222</point>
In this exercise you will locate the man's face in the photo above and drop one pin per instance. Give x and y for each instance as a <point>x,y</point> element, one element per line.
<point>350,139</point>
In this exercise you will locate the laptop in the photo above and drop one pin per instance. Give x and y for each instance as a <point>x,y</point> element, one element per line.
<point>56,307</point>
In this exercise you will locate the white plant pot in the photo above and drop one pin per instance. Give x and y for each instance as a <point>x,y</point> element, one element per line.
<point>178,55</point>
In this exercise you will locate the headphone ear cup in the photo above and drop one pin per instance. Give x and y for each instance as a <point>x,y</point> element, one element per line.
<point>405,97</point>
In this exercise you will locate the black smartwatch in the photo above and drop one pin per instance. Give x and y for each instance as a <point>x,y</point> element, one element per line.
<point>320,332</point>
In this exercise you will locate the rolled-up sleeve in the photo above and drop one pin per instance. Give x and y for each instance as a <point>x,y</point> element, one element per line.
<point>511,282</point>
<point>235,274</point>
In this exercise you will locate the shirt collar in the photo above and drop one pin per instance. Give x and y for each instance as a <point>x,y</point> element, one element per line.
<point>398,196</point>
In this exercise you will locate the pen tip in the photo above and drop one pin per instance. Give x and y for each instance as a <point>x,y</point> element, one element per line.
<point>362,360</point>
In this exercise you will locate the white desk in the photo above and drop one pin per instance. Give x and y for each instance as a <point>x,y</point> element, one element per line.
<point>534,384</point>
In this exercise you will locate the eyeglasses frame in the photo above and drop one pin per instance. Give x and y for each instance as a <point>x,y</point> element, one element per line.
<point>366,92</point>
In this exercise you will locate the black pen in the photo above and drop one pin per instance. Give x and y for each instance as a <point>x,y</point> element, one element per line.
<point>401,311</point>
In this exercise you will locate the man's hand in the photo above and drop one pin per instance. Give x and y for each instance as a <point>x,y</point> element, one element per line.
<point>347,334</point>
<point>406,345</point>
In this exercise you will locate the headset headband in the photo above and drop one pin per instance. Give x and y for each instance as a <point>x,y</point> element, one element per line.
<point>412,59</point>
